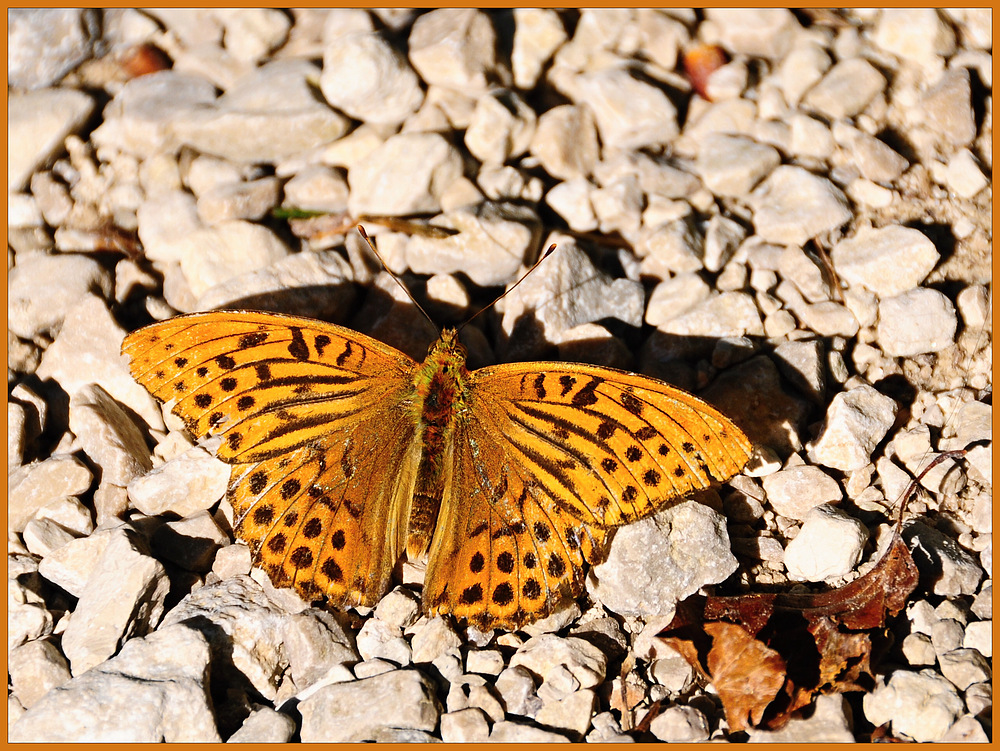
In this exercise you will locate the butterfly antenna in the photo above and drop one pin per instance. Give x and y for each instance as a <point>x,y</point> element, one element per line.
<point>391,273</point>
<point>510,289</point>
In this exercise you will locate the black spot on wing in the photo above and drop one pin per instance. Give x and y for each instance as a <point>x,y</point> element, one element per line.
<point>607,429</point>
<point>345,355</point>
<point>632,404</point>
<point>321,342</point>
<point>505,562</point>
<point>531,589</point>
<point>331,570</point>
<point>646,432</point>
<point>503,594</point>
<point>301,557</point>
<point>252,340</point>
<point>586,397</point>
<point>566,383</point>
<point>539,385</point>
<point>298,348</point>
<point>572,539</point>
<point>556,567</point>
<point>471,595</point>
<point>477,563</point>
<point>257,482</point>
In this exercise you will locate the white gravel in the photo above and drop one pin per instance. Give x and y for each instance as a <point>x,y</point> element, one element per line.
<point>811,251</point>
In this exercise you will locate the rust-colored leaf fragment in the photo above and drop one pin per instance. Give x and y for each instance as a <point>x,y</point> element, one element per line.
<point>843,657</point>
<point>864,602</point>
<point>747,674</point>
<point>317,226</point>
<point>752,610</point>
<point>409,226</point>
<point>647,720</point>
<point>143,60</point>
<point>769,654</point>
<point>699,64</point>
<point>689,652</point>
<point>883,734</point>
<point>320,227</point>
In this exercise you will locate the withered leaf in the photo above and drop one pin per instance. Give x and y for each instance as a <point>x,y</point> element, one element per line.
<point>843,657</point>
<point>699,64</point>
<point>753,610</point>
<point>822,642</point>
<point>747,674</point>
<point>863,603</point>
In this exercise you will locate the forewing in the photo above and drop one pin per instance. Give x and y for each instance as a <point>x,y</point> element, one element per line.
<point>608,447</point>
<point>267,383</point>
<point>314,418</point>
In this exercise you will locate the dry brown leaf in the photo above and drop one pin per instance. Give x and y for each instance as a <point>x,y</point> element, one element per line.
<point>864,602</point>
<point>320,226</point>
<point>843,657</point>
<point>747,674</point>
<point>699,63</point>
<point>144,59</point>
<point>769,654</point>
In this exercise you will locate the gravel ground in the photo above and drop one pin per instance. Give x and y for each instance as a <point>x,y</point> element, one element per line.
<point>803,237</point>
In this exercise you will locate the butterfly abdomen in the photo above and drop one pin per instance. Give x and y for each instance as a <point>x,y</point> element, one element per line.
<point>441,384</point>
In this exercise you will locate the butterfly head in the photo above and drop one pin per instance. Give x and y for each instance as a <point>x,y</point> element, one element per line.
<point>447,352</point>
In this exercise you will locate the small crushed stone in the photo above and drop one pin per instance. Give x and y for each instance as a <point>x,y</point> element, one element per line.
<point>807,243</point>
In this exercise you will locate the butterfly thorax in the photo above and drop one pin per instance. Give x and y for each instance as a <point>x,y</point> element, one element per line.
<point>440,384</point>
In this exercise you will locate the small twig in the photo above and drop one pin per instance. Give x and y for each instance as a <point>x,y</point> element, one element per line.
<point>627,666</point>
<point>911,488</point>
<point>832,277</point>
<point>654,710</point>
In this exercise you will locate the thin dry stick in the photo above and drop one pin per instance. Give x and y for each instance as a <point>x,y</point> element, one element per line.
<point>832,276</point>
<point>911,488</point>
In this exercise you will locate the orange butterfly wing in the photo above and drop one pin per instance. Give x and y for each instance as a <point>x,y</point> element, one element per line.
<point>311,415</point>
<point>548,456</point>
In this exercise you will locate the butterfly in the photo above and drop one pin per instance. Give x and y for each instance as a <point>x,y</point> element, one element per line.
<point>347,454</point>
